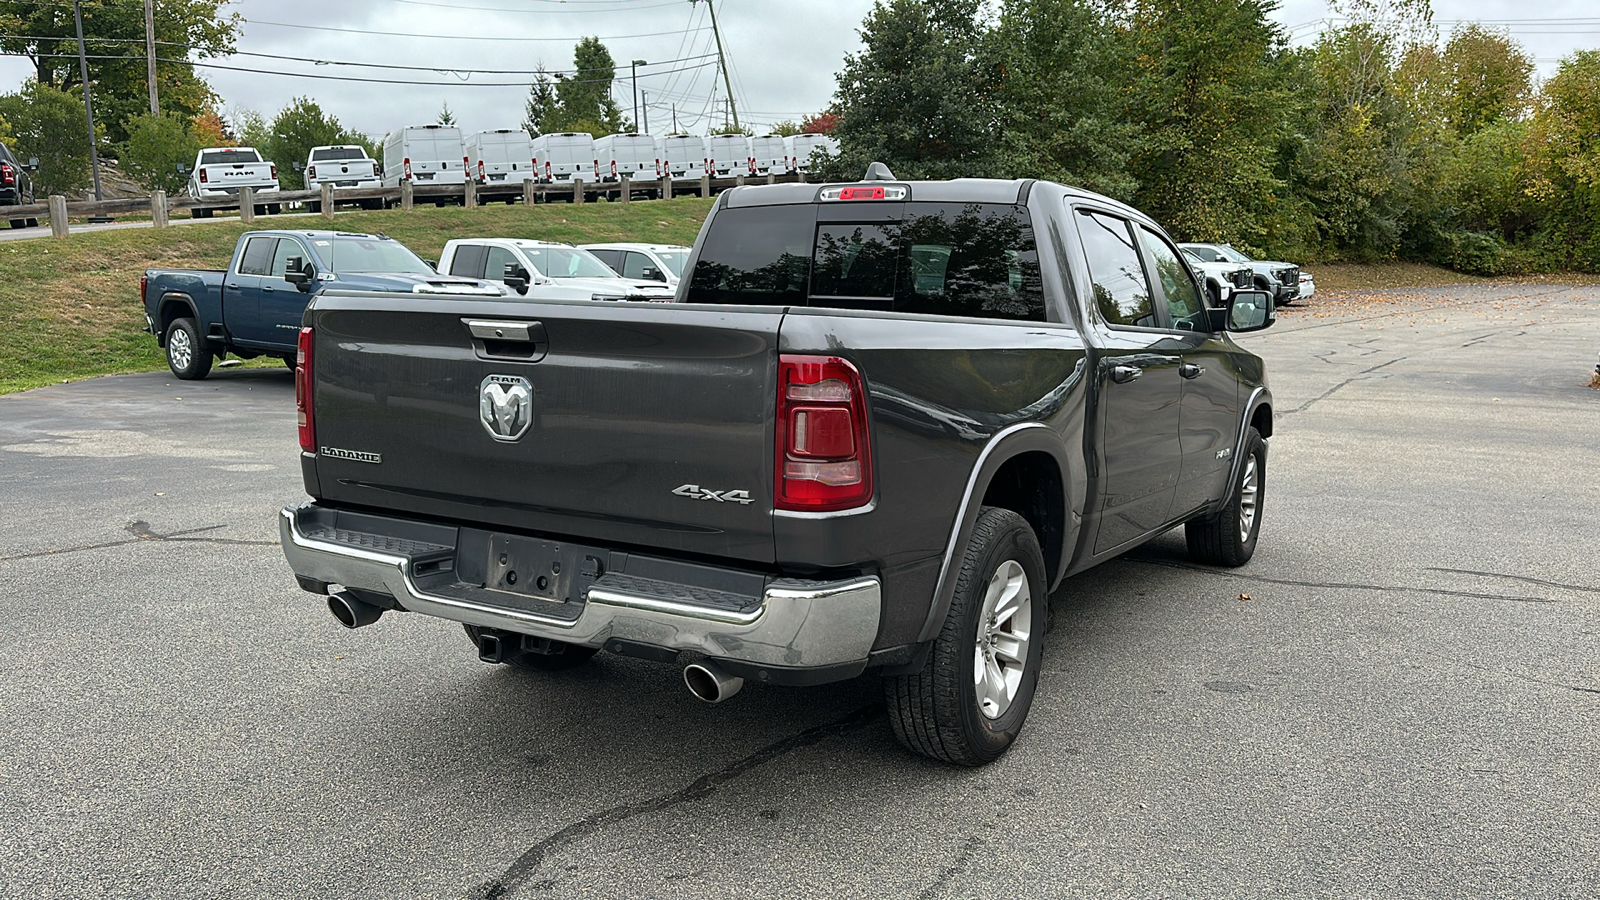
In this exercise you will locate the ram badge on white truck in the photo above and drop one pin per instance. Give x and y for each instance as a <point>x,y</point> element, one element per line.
<point>545,270</point>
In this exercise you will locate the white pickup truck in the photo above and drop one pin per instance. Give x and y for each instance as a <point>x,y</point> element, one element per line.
<point>219,173</point>
<point>545,270</point>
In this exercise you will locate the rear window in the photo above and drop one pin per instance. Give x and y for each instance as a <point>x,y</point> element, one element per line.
<point>338,153</point>
<point>975,260</point>
<point>212,157</point>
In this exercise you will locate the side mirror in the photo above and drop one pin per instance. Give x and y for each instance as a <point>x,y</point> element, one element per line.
<point>516,278</point>
<point>298,273</point>
<point>1250,311</point>
<point>33,164</point>
<point>651,273</point>
<point>432,264</point>
<point>299,166</point>
<point>183,168</point>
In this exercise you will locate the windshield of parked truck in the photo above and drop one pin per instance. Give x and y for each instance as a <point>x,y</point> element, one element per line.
<point>369,255</point>
<point>329,153</point>
<point>229,155</point>
<point>674,260</point>
<point>567,262</point>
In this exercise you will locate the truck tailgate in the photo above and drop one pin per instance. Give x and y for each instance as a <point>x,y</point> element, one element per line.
<point>645,424</point>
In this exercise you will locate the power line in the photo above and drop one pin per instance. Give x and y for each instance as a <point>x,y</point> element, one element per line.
<point>454,37</point>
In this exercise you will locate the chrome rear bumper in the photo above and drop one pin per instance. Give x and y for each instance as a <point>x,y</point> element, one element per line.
<point>796,625</point>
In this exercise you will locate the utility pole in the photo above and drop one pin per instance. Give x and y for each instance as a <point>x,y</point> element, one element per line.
<point>646,109</point>
<point>722,60</point>
<point>150,51</point>
<point>636,64</point>
<point>88,104</point>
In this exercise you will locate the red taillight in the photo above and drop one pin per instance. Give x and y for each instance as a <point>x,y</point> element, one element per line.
<point>311,171</point>
<point>466,164</point>
<point>7,175</point>
<point>862,193</point>
<point>144,285</point>
<point>374,168</point>
<point>274,173</point>
<point>480,170</point>
<point>408,168</point>
<point>824,458</point>
<point>302,393</point>
<point>203,178</point>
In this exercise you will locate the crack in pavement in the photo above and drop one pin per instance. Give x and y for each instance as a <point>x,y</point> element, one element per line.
<point>141,532</point>
<point>1330,391</point>
<point>957,866</point>
<point>1529,579</point>
<point>1520,676</point>
<point>518,873</point>
<point>1338,585</point>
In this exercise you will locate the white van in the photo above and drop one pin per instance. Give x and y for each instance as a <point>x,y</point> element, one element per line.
<point>768,154</point>
<point>564,156</point>
<point>801,146</point>
<point>728,154</point>
<point>631,156</point>
<point>424,154</point>
<point>502,156</point>
<point>546,270</point>
<point>683,156</point>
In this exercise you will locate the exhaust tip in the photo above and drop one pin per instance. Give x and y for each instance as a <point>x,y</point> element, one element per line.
<point>709,683</point>
<point>352,613</point>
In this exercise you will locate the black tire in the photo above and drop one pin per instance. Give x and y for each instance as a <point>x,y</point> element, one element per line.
<point>563,656</point>
<point>188,355</point>
<point>19,223</point>
<point>314,206</point>
<point>199,213</point>
<point>274,209</point>
<point>289,361</point>
<point>33,222</point>
<point>938,712</point>
<point>1229,537</point>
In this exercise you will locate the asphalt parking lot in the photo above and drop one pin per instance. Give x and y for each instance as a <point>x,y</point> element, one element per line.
<point>1399,696</point>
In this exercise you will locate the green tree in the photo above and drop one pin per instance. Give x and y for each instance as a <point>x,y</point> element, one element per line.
<point>1490,79</point>
<point>155,148</point>
<point>446,117</point>
<point>1062,97</point>
<point>45,34</point>
<point>1209,107</point>
<point>543,107</point>
<point>50,124</point>
<point>584,96</point>
<point>917,97</point>
<point>252,128</point>
<point>1566,132</point>
<point>785,128</point>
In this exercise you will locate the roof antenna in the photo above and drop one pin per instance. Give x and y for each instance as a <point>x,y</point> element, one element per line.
<point>878,172</point>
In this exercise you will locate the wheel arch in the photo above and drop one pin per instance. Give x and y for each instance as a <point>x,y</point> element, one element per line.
<point>1027,469</point>
<point>174,306</point>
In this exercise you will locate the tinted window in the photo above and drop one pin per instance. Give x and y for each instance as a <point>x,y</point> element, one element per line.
<point>1120,290</point>
<point>257,259</point>
<point>759,255</point>
<point>287,249</point>
<point>229,156</point>
<point>634,264</point>
<point>1183,298</point>
<point>338,153</point>
<point>940,259</point>
<point>612,258</point>
<point>468,261</point>
<point>1205,253</point>
<point>495,267</point>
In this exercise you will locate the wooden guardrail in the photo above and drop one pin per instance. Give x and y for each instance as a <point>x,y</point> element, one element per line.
<point>159,206</point>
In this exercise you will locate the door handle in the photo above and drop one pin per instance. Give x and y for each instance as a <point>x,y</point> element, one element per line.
<point>1125,374</point>
<point>267,289</point>
<point>232,287</point>
<point>1190,370</point>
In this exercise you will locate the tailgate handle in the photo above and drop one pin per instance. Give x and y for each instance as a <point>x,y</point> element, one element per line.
<point>507,339</point>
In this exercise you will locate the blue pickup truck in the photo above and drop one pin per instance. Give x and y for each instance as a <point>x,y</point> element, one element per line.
<point>253,308</point>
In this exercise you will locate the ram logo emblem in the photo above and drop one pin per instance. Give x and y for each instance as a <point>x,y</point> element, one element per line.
<point>505,406</point>
<point>696,492</point>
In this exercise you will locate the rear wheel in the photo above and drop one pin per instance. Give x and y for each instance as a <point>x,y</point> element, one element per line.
<point>968,703</point>
<point>550,655</point>
<point>187,353</point>
<point>290,361</point>
<point>19,223</point>
<point>1229,537</point>
<point>314,206</point>
<point>199,213</point>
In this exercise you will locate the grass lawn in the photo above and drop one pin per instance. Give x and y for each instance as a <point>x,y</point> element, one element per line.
<point>70,309</point>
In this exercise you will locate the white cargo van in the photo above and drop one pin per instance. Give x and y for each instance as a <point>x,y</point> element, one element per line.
<point>728,154</point>
<point>424,154</point>
<point>503,156</point>
<point>683,156</point>
<point>564,156</point>
<point>801,146</point>
<point>768,154</point>
<point>631,156</point>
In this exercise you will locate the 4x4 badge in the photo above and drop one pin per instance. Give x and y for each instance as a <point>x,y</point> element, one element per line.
<point>696,492</point>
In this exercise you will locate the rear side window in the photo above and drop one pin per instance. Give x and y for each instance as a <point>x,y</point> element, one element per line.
<point>1121,292</point>
<point>612,258</point>
<point>257,259</point>
<point>974,260</point>
<point>287,250</point>
<point>468,261</point>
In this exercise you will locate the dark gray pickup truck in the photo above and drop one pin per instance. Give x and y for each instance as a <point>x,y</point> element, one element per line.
<point>882,424</point>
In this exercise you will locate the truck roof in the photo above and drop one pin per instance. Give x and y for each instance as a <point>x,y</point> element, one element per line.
<point>957,190</point>
<point>516,242</point>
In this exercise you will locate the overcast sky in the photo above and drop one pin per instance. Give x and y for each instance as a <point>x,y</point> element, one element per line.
<point>783,56</point>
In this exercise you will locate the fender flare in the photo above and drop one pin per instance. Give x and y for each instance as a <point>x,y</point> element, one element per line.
<point>1024,437</point>
<point>174,298</point>
<point>1258,398</point>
